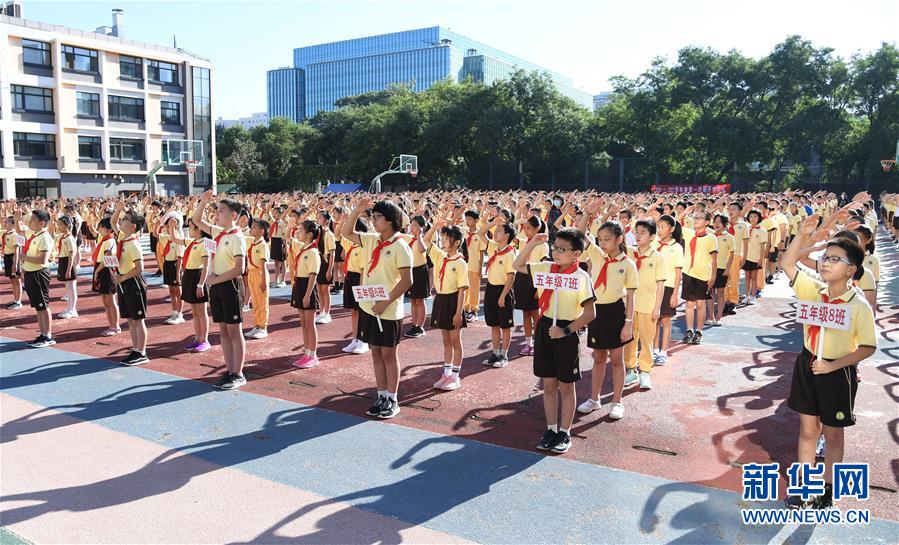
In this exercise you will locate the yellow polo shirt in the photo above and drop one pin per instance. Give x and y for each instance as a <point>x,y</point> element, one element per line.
<point>758,237</point>
<point>674,259</point>
<point>700,265</point>
<point>41,241</point>
<point>66,246</point>
<point>475,250</point>
<point>394,257</point>
<point>257,255</point>
<point>621,275</point>
<point>10,242</point>
<point>872,263</point>
<point>501,267</point>
<point>455,275</point>
<point>571,303</point>
<point>131,253</point>
<point>230,246</point>
<point>650,273</point>
<point>306,263</point>
<point>725,248</point>
<point>197,253</point>
<point>741,233</point>
<point>352,255</point>
<point>540,252</point>
<point>176,250</point>
<point>837,342</point>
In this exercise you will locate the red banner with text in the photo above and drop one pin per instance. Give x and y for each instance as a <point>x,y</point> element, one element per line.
<point>691,188</point>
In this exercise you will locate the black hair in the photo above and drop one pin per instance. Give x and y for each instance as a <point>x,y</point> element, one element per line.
<point>391,213</point>
<point>865,230</point>
<point>66,220</point>
<point>137,220</point>
<point>537,223</point>
<point>574,237</point>
<point>361,226</point>
<point>311,227</point>
<point>157,204</point>
<point>321,232</point>
<point>423,223</point>
<point>756,212</point>
<point>677,234</point>
<point>628,212</point>
<point>708,217</point>
<point>509,229</point>
<point>474,214</point>
<point>263,226</point>
<point>232,205</point>
<point>648,224</point>
<point>617,231</point>
<point>854,252</point>
<point>723,218</point>
<point>106,223</point>
<point>40,215</point>
<point>452,232</point>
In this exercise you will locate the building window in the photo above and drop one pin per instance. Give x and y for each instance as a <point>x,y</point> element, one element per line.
<point>77,58</point>
<point>36,53</point>
<point>162,72</point>
<point>32,99</point>
<point>130,67</point>
<point>126,149</point>
<point>88,104</point>
<point>171,113</point>
<point>37,188</point>
<point>126,108</point>
<point>28,145</point>
<point>89,147</point>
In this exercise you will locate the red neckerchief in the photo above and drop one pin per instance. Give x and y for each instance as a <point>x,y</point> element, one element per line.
<point>693,247</point>
<point>346,258</point>
<point>223,233</point>
<point>547,294</point>
<point>496,254</point>
<point>443,267</point>
<point>731,230</point>
<point>814,329</point>
<point>121,247</point>
<point>639,258</point>
<point>296,262</point>
<point>601,277</point>
<point>273,228</point>
<point>165,250</point>
<point>468,240</point>
<point>97,249</point>
<point>28,242</point>
<point>250,252</point>
<point>663,244</point>
<point>376,253</point>
<point>186,255</point>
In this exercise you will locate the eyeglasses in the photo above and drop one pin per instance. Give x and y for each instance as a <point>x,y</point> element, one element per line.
<point>376,216</point>
<point>833,259</point>
<point>556,249</point>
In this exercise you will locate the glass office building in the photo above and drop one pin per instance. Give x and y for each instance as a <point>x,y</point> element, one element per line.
<point>417,58</point>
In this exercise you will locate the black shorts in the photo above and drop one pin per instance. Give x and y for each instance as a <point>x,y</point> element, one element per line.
<point>421,283</point>
<point>170,273</point>
<point>349,298</point>
<point>751,266</point>
<point>525,292</point>
<point>604,332</point>
<point>154,243</point>
<point>772,255</point>
<point>62,268</point>
<point>442,311</point>
<point>666,309</point>
<point>694,289</point>
<point>896,222</point>
<point>338,254</point>
<point>277,250</point>
<point>721,279</point>
<point>556,358</point>
<point>298,292</point>
<point>225,302</point>
<point>103,282</point>
<point>320,278</point>
<point>190,278</point>
<point>830,397</point>
<point>37,286</point>
<point>8,266</point>
<point>132,297</point>
<point>368,331</point>
<point>494,315</point>
<point>86,232</point>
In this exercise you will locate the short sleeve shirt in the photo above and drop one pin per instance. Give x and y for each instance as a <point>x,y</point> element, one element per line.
<point>699,266</point>
<point>40,242</point>
<point>393,257</point>
<point>197,253</point>
<point>258,255</point>
<point>501,266</point>
<point>570,303</point>
<point>741,233</point>
<point>674,259</point>
<point>230,246</point>
<point>455,272</point>
<point>621,275</point>
<point>725,248</point>
<point>307,260</point>
<point>652,271</point>
<point>758,237</point>
<point>131,254</point>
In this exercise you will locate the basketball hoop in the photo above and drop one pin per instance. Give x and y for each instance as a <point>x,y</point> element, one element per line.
<point>887,164</point>
<point>191,165</point>
<point>414,174</point>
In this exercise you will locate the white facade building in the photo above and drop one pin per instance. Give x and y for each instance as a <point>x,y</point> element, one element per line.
<point>255,120</point>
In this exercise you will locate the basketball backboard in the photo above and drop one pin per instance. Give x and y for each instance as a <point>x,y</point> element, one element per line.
<point>178,152</point>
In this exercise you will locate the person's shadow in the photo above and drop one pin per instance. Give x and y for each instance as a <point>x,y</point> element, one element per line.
<point>174,469</point>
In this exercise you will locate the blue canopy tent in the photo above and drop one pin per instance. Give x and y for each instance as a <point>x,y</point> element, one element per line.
<point>342,188</point>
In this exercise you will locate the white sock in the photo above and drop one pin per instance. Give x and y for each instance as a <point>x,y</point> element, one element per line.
<point>391,396</point>
<point>456,370</point>
<point>497,351</point>
<point>553,428</point>
<point>504,353</point>
<point>447,369</point>
<point>528,341</point>
<point>382,393</point>
<point>568,431</point>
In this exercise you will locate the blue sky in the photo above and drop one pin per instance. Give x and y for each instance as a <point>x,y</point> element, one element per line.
<point>587,41</point>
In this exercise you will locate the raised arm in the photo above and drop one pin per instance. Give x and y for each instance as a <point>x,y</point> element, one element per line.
<point>200,213</point>
<point>521,262</point>
<point>348,229</point>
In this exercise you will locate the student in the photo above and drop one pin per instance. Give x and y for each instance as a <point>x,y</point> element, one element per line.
<point>276,233</point>
<point>104,278</point>
<point>352,273</point>
<point>12,265</point>
<point>387,262</point>
<point>869,282</point>
<point>651,276</point>
<point>131,288</point>
<point>475,264</point>
<point>66,272</point>
<point>224,294</point>
<point>451,275</point>
<point>171,253</point>
<point>670,245</point>
<point>245,221</point>
<point>194,272</point>
<point>523,288</point>
<point>823,390</point>
<point>756,246</point>
<point>724,260</point>
<point>258,278</point>
<point>626,218</point>
<point>557,346</point>
<point>498,298</point>
<point>156,228</point>
<point>614,280</point>
<point>421,278</point>
<point>327,245</point>
<point>35,258</point>
<point>739,229</point>
<point>700,272</point>
<point>339,215</point>
<point>304,297</point>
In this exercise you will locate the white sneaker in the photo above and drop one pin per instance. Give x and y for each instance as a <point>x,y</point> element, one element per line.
<point>631,378</point>
<point>663,359</point>
<point>260,334</point>
<point>588,406</point>
<point>178,318</point>
<point>349,348</point>
<point>616,412</point>
<point>249,334</point>
<point>361,348</point>
<point>281,285</point>
<point>645,383</point>
<point>246,308</point>
<point>65,315</point>
<point>322,319</point>
<point>273,285</point>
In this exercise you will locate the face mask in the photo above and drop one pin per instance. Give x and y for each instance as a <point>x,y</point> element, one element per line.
<point>557,202</point>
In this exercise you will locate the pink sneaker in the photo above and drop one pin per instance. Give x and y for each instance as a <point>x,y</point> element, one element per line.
<point>453,383</point>
<point>443,378</point>
<point>302,361</point>
<point>526,350</point>
<point>309,363</point>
